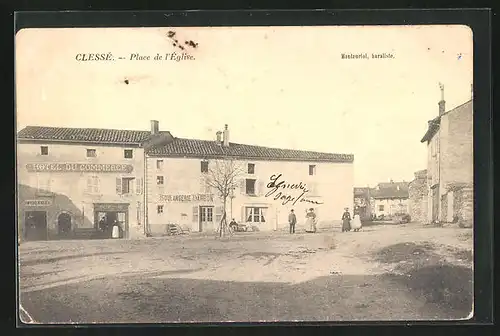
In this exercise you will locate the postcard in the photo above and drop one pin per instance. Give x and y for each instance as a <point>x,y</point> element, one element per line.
<point>244,174</point>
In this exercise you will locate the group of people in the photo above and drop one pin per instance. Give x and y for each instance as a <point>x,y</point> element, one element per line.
<point>348,223</point>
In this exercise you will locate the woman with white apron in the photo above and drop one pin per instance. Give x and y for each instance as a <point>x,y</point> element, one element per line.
<point>356,223</point>
<point>311,221</point>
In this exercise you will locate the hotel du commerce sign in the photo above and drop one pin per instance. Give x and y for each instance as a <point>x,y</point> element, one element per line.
<point>79,167</point>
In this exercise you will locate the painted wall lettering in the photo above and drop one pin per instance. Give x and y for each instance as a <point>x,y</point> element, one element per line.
<point>187,198</point>
<point>41,202</point>
<point>276,190</point>
<point>79,167</point>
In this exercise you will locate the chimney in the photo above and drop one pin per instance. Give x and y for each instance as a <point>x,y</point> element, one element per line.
<point>219,136</point>
<point>441,103</point>
<point>154,126</point>
<point>226,136</point>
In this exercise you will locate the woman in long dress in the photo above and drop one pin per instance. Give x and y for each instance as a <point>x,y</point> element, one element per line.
<point>356,223</point>
<point>346,220</point>
<point>311,221</point>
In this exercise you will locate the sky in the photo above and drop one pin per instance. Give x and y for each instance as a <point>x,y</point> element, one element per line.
<point>284,87</point>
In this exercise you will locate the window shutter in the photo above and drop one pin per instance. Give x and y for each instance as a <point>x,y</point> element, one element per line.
<point>243,186</point>
<point>96,184</point>
<point>138,186</point>
<point>196,211</point>
<point>118,186</point>
<point>260,187</point>
<point>218,213</point>
<point>90,184</point>
<point>243,214</point>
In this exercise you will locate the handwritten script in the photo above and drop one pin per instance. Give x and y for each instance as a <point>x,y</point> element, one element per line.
<point>278,188</point>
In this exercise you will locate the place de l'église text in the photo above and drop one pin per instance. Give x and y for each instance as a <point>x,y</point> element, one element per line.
<point>109,57</point>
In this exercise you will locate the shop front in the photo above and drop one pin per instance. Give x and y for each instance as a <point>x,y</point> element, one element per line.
<point>108,215</point>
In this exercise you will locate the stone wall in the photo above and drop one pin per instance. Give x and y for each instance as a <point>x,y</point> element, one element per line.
<point>418,197</point>
<point>465,206</point>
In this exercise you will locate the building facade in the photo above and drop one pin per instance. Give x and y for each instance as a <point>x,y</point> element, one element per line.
<point>71,181</point>
<point>418,191</point>
<point>268,183</point>
<point>389,199</point>
<point>449,140</point>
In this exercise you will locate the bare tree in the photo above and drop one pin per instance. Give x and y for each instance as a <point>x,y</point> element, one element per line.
<point>223,176</point>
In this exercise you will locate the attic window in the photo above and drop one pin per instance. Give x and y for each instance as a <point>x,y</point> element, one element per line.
<point>128,153</point>
<point>44,150</point>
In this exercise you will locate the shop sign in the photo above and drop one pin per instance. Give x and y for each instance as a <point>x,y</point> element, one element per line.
<point>40,202</point>
<point>80,167</point>
<point>187,198</point>
<point>111,206</point>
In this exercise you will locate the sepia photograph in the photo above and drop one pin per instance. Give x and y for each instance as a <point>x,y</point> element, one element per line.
<point>244,174</point>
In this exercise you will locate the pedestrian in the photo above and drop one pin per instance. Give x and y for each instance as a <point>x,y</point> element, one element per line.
<point>311,221</point>
<point>346,220</point>
<point>356,223</point>
<point>292,220</point>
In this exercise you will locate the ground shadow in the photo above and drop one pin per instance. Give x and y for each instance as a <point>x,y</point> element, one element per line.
<point>66,257</point>
<point>146,299</point>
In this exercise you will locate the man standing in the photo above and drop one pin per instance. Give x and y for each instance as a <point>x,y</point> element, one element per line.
<point>292,220</point>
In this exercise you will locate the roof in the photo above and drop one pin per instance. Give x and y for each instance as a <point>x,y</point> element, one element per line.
<point>213,149</point>
<point>390,190</point>
<point>433,125</point>
<point>99,135</point>
<point>362,192</point>
<point>175,146</point>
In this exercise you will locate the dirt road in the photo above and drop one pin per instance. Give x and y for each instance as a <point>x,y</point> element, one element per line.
<point>367,275</point>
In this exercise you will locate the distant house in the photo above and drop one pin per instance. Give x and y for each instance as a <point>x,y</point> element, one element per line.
<point>450,164</point>
<point>418,197</point>
<point>362,205</point>
<point>389,198</point>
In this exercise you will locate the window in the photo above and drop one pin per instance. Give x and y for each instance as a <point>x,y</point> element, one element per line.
<point>204,166</point>
<point>380,208</point>
<point>124,185</point>
<point>128,154</point>
<point>312,170</point>
<point>44,150</point>
<point>159,180</point>
<point>250,186</point>
<point>159,209</point>
<point>92,184</point>
<point>159,164</point>
<point>251,168</point>
<point>255,215</point>
<point>43,184</point>
<point>91,153</point>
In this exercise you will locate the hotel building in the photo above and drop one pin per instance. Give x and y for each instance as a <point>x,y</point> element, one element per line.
<point>71,180</point>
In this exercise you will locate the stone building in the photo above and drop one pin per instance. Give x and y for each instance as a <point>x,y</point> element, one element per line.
<point>450,164</point>
<point>269,183</point>
<point>417,190</point>
<point>389,198</point>
<point>72,182</point>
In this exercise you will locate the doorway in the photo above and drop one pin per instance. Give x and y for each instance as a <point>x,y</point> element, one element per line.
<point>35,225</point>
<point>105,220</point>
<point>206,218</point>
<point>64,224</point>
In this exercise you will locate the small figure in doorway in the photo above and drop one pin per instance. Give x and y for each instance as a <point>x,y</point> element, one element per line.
<point>346,220</point>
<point>292,220</point>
